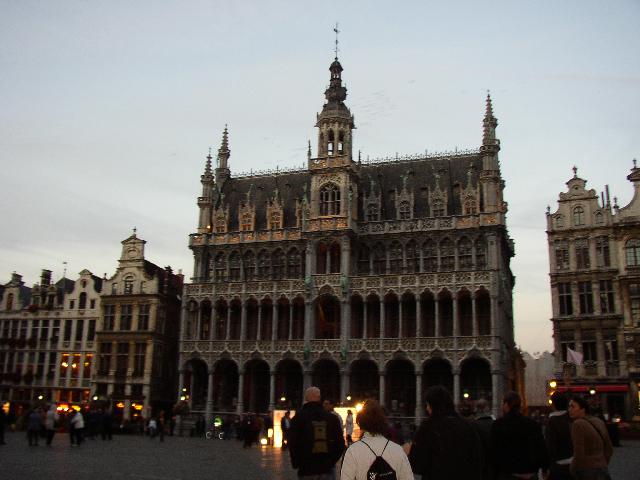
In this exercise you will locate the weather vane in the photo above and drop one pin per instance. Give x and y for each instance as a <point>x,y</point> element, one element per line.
<point>337,32</point>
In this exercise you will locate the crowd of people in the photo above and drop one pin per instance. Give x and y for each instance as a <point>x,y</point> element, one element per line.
<point>574,443</point>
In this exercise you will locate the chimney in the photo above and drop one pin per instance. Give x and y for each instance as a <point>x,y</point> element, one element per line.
<point>45,278</point>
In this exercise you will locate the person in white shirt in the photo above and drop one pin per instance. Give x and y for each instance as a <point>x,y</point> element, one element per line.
<point>360,456</point>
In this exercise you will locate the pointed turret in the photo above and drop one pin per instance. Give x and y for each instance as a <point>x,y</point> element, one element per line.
<point>205,202</point>
<point>223,172</point>
<point>490,144</point>
<point>490,180</point>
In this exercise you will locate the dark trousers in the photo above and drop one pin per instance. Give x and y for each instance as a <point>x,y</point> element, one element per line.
<point>50,434</point>
<point>32,436</point>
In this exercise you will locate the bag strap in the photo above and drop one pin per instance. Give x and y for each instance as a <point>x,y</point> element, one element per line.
<point>385,447</point>
<point>596,429</point>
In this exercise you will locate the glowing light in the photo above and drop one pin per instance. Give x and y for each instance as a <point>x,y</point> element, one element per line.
<point>120,405</point>
<point>184,389</point>
<point>270,433</point>
<point>65,364</point>
<point>592,391</point>
<point>76,408</point>
<point>465,395</point>
<point>358,407</point>
<point>550,402</point>
<point>553,384</point>
<point>40,397</point>
<point>138,407</point>
<point>183,398</point>
<point>348,398</point>
<point>95,397</point>
<point>283,398</point>
<point>74,365</point>
<point>263,442</point>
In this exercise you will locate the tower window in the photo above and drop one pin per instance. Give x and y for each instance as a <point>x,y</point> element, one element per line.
<point>341,143</point>
<point>578,216</point>
<point>404,211</point>
<point>247,222</point>
<point>329,200</point>
<point>330,143</point>
<point>372,213</point>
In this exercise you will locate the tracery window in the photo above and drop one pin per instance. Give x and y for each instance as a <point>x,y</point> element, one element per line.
<point>249,265</point>
<point>363,260</point>
<point>234,267</point>
<point>470,207</point>
<point>246,224</point>
<point>379,260</point>
<point>447,255</point>
<point>582,254</point>
<point>221,224</point>
<point>561,248</point>
<point>220,267</point>
<point>481,253</point>
<point>277,265</point>
<point>437,208</point>
<point>413,257</point>
<point>603,258</point>
<point>263,265</point>
<point>294,262</point>
<point>330,200</point>
<point>395,258</point>
<point>430,254</point>
<point>275,221</point>
<point>372,212</point>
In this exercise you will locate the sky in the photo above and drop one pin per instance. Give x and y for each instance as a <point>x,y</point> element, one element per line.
<point>108,109</point>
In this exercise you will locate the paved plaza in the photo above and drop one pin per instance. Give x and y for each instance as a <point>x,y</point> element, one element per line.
<point>140,458</point>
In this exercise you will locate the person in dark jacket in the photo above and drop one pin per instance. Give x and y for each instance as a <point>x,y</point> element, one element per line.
<point>315,439</point>
<point>483,423</point>
<point>517,443</point>
<point>445,446</point>
<point>558,437</point>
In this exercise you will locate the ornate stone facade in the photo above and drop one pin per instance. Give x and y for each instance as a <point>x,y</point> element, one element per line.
<point>378,278</point>
<point>594,256</point>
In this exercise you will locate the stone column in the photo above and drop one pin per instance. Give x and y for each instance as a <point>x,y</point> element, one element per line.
<point>496,400</point>
<point>344,385</point>
<point>400,317</point>
<point>419,405</point>
<point>382,324</point>
<point>198,323</point>
<point>494,316</point>
<point>290,333</point>
<point>259,329</point>
<point>309,255</point>
<point>180,382</point>
<point>456,387</point>
<point>382,388</point>
<point>345,322</point>
<point>209,407</point>
<point>601,364</point>
<point>418,316</point>
<point>240,405</point>
<point>578,347</point>
<point>272,390</point>
<point>436,311</point>
<point>243,321</point>
<point>274,320</point>
<point>474,315</point>
<point>228,325</point>
<point>364,322</point>
<point>456,320</point>
<point>306,378</point>
<point>345,250</point>
<point>309,323</point>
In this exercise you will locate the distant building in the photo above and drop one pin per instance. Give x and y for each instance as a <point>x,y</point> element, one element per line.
<point>46,339</point>
<point>137,337</point>
<point>539,370</point>
<point>594,255</point>
<point>366,278</point>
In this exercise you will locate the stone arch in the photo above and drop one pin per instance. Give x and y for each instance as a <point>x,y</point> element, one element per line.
<point>266,318</point>
<point>428,313</point>
<point>391,315</point>
<point>235,319</point>
<point>196,383</point>
<point>364,380</point>
<point>251,306</point>
<point>465,312</point>
<point>373,315</point>
<point>400,395</point>
<point>483,311</point>
<point>288,384</point>
<point>328,312</point>
<point>283,319</point>
<point>475,378</point>
<point>357,316</point>
<point>445,306</point>
<point>408,320</point>
<point>437,371</point>
<point>298,318</point>
<point>325,374</point>
<point>205,320</point>
<point>225,385</point>
<point>256,380</point>
<point>220,319</point>
<point>191,323</point>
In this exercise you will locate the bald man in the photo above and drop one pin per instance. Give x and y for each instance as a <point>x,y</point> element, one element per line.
<point>315,439</point>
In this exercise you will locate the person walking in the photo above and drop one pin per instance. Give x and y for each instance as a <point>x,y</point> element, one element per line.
<point>483,422</point>
<point>517,444</point>
<point>3,422</point>
<point>34,426</point>
<point>285,424</point>
<point>361,457</point>
<point>50,422</point>
<point>348,427</point>
<point>558,438</point>
<point>76,428</point>
<point>592,449</point>
<point>153,428</point>
<point>315,439</point>
<point>445,446</point>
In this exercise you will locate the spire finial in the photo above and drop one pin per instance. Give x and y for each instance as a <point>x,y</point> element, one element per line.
<point>207,167</point>
<point>337,32</point>
<point>309,149</point>
<point>635,163</point>
<point>135,230</point>
<point>575,171</point>
<point>223,152</point>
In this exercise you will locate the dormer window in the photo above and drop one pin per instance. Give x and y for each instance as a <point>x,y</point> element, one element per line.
<point>247,222</point>
<point>372,213</point>
<point>275,220</point>
<point>128,285</point>
<point>437,209</point>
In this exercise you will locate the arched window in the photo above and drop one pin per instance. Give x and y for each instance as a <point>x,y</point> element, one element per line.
<point>10,302</point>
<point>249,265</point>
<point>379,260</point>
<point>632,249</point>
<point>341,143</point>
<point>293,263</point>
<point>234,267</point>
<point>559,221</point>
<point>277,265</point>
<point>562,254</point>
<point>413,257</point>
<point>82,301</point>
<point>447,255</point>
<point>330,200</point>
<point>578,216</point>
<point>465,260</point>
<point>263,265</point>
<point>599,219</point>
<point>404,211</point>
<point>220,267</point>
<point>372,212</point>
<point>276,221</point>
<point>334,258</point>
<point>470,206</point>
<point>430,255</point>
<point>221,224</point>
<point>481,254</point>
<point>395,258</point>
<point>363,260</point>
<point>330,143</point>
<point>321,257</point>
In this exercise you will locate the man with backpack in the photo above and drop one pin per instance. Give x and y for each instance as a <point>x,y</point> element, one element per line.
<point>315,439</point>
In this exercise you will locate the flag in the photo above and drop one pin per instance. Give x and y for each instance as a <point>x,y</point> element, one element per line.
<point>574,357</point>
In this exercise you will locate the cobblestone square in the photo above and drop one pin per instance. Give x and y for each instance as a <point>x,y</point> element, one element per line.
<point>177,458</point>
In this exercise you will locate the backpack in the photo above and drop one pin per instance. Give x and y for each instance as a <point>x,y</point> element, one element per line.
<point>380,469</point>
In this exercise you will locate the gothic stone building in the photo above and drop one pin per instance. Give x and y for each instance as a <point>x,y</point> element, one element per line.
<point>137,336</point>
<point>46,339</point>
<point>367,279</point>
<point>594,253</point>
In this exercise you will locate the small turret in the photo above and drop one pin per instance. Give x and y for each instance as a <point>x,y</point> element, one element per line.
<point>222,171</point>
